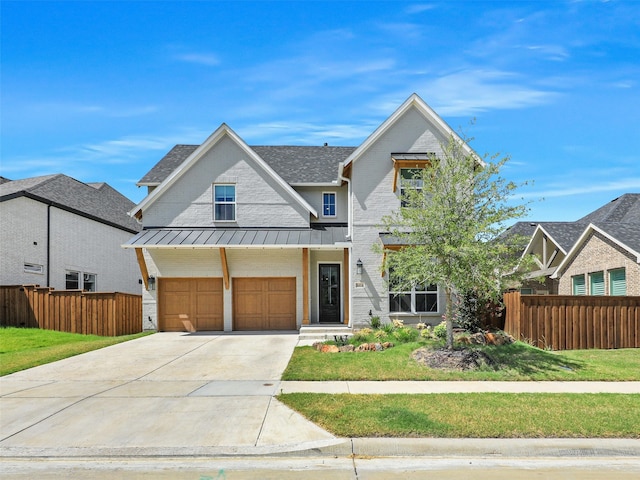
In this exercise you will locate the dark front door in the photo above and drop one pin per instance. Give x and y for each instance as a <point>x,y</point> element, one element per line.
<point>329,282</point>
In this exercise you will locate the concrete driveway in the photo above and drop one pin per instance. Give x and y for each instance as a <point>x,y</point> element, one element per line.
<point>164,394</point>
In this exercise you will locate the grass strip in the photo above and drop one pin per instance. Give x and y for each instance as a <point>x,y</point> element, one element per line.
<point>516,362</point>
<point>22,348</point>
<point>472,415</point>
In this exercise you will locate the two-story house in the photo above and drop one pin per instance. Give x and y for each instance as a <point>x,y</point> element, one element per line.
<point>62,233</point>
<point>239,237</point>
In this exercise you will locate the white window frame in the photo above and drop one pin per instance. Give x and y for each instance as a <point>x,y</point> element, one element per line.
<point>225,202</point>
<point>414,293</point>
<point>67,273</point>
<point>325,205</point>
<point>85,281</point>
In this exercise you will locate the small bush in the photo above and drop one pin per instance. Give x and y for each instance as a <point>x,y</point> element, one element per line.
<point>440,330</point>
<point>406,334</point>
<point>375,322</point>
<point>388,328</point>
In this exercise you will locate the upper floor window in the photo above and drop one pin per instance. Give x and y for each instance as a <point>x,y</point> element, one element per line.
<point>410,179</point>
<point>617,282</point>
<point>224,203</point>
<point>329,204</point>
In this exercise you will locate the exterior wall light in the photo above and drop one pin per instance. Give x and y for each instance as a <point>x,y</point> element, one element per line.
<point>151,282</point>
<point>359,267</point>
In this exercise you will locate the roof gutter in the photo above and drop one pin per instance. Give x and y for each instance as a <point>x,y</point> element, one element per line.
<point>349,199</point>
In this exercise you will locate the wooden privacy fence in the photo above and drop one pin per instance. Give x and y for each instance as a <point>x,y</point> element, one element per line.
<point>563,322</point>
<point>91,313</point>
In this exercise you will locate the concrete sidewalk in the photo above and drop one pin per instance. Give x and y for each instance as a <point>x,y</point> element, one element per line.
<point>427,387</point>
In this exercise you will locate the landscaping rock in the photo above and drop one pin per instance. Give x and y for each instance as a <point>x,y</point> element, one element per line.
<point>329,349</point>
<point>346,348</point>
<point>464,359</point>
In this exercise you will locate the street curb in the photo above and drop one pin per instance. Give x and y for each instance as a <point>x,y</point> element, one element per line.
<point>368,447</point>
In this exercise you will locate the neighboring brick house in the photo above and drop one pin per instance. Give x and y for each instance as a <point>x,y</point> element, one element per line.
<point>239,237</point>
<point>595,255</point>
<point>62,233</point>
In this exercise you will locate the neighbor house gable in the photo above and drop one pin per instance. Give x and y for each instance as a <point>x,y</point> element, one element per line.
<point>624,236</point>
<point>223,132</point>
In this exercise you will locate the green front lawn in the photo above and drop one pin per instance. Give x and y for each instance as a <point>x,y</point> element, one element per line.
<point>22,348</point>
<point>472,415</point>
<point>516,362</point>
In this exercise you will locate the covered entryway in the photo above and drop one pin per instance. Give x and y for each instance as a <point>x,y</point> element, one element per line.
<point>264,303</point>
<point>190,304</point>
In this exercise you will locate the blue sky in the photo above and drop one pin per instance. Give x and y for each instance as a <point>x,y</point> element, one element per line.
<point>102,90</point>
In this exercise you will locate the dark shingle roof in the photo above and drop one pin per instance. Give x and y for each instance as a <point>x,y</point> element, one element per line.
<point>626,233</point>
<point>566,234</point>
<point>295,164</point>
<point>624,209</point>
<point>167,164</point>
<point>96,200</point>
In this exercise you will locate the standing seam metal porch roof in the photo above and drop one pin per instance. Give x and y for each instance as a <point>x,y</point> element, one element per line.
<point>239,237</point>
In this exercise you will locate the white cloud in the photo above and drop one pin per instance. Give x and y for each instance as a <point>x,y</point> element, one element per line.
<point>419,8</point>
<point>631,184</point>
<point>206,59</point>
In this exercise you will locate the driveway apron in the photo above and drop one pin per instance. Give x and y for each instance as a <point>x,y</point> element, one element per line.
<point>164,394</point>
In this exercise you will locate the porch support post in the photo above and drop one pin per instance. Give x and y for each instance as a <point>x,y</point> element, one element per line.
<point>225,268</point>
<point>346,281</point>
<point>143,267</point>
<point>305,286</point>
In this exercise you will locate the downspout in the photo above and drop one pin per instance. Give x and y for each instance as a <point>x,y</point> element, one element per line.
<point>349,200</point>
<point>49,245</point>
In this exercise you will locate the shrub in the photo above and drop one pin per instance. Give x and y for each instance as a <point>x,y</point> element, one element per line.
<point>375,322</point>
<point>471,310</point>
<point>440,330</point>
<point>406,334</point>
<point>388,328</point>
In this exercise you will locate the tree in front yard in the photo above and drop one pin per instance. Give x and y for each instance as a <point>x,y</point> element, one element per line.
<point>453,211</point>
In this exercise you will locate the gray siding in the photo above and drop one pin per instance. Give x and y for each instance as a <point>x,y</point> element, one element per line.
<point>260,201</point>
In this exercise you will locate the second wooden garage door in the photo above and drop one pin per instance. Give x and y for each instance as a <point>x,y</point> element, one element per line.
<point>264,303</point>
<point>190,304</point>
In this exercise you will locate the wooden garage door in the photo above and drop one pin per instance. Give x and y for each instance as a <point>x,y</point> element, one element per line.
<point>190,304</point>
<point>264,303</point>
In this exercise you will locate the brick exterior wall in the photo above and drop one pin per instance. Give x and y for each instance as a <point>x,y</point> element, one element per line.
<point>599,254</point>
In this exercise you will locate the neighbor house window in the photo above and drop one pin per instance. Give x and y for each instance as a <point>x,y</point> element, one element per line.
<point>618,282</point>
<point>421,298</point>
<point>224,202</point>
<point>72,280</point>
<point>596,283</point>
<point>89,282</point>
<point>526,291</point>
<point>328,204</point>
<point>577,285</point>
<point>410,179</point>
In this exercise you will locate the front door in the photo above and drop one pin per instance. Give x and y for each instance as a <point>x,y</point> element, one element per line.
<point>329,282</point>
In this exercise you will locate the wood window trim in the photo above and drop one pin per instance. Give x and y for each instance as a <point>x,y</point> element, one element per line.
<point>400,164</point>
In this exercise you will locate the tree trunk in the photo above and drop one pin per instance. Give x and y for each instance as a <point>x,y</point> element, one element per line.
<point>449,318</point>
